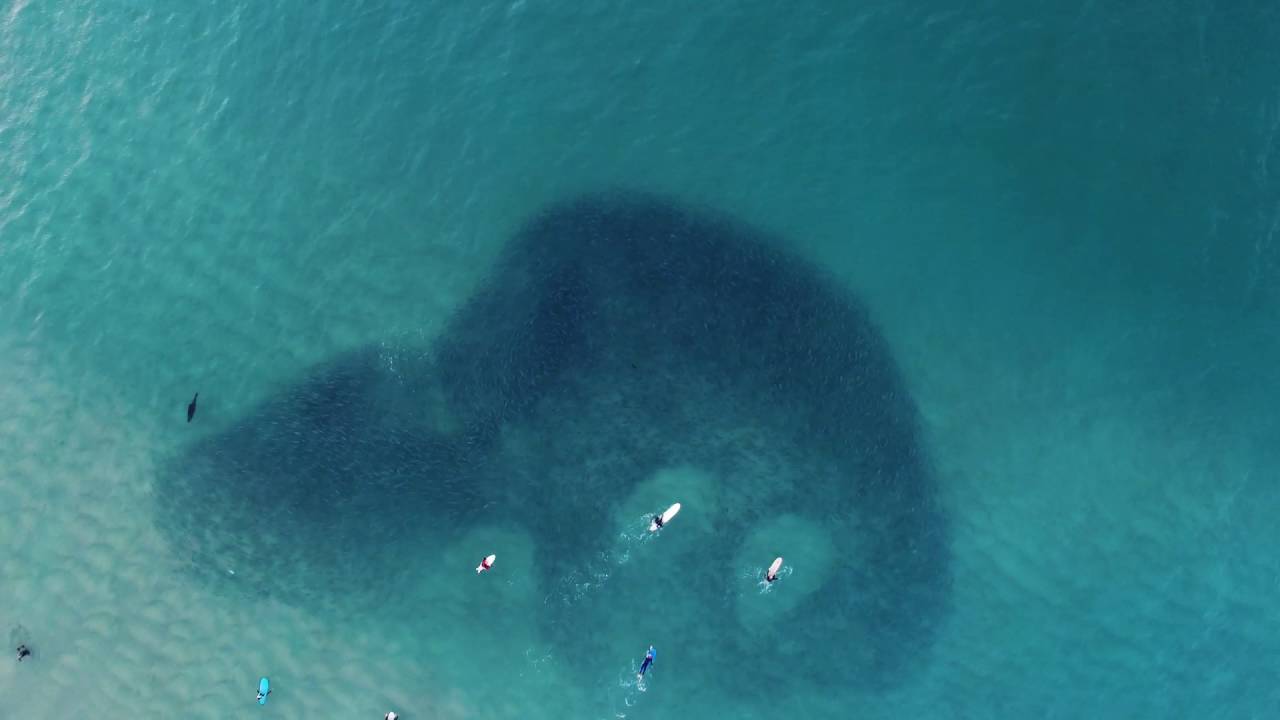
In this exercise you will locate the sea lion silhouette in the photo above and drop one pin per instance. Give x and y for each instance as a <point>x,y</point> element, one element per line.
<point>191,409</point>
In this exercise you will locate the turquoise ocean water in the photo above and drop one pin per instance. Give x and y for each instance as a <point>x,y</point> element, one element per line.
<point>971,311</point>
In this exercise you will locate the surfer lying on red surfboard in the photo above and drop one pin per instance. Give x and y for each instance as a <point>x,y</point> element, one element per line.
<point>485,564</point>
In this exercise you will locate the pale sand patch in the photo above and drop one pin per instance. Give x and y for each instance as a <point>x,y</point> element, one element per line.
<point>120,632</point>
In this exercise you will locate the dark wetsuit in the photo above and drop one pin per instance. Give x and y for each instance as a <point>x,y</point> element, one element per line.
<point>648,660</point>
<point>23,652</point>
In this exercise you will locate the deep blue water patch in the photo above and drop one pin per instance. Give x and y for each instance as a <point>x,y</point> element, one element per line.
<point>616,336</point>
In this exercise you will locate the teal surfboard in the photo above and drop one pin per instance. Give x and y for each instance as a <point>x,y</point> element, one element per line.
<point>264,689</point>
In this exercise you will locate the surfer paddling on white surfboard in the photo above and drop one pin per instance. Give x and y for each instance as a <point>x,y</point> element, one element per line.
<point>659,520</point>
<point>773,571</point>
<point>485,564</point>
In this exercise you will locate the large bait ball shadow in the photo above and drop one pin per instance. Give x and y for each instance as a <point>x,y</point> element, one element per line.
<point>618,335</point>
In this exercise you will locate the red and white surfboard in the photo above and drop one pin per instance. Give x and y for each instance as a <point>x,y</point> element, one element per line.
<point>485,564</point>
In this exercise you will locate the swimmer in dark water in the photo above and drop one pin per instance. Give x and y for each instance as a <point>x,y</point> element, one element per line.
<point>23,652</point>
<point>191,409</point>
<point>648,660</point>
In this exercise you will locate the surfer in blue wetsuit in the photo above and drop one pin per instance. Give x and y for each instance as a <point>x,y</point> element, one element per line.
<point>648,660</point>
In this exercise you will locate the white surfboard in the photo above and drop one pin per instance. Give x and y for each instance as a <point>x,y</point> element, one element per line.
<point>486,564</point>
<point>773,570</point>
<point>666,517</point>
